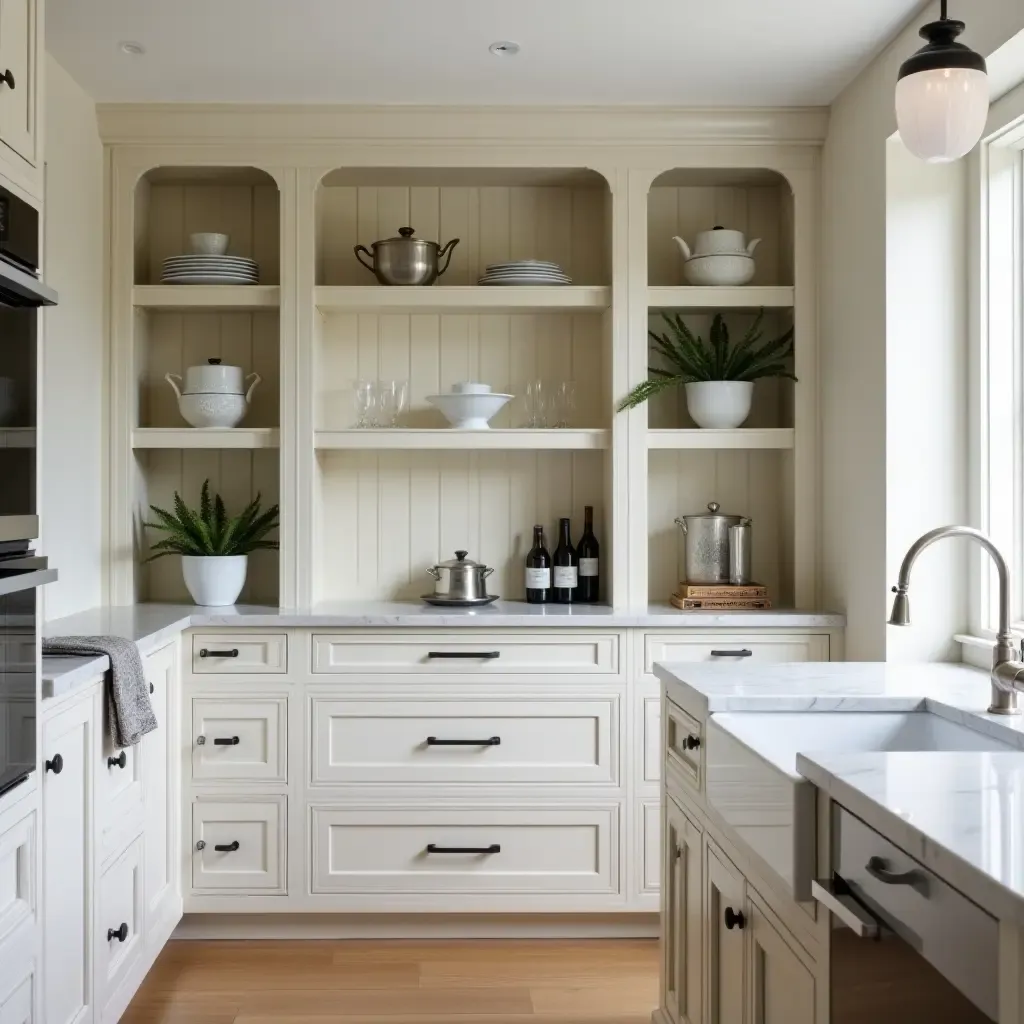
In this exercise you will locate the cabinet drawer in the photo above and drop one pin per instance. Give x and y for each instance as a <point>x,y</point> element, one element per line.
<point>650,824</point>
<point>730,649</point>
<point>245,654</point>
<point>252,836</point>
<point>17,871</point>
<point>239,740</point>
<point>478,741</point>
<point>16,1005</point>
<point>119,789</point>
<point>465,850</point>
<point>684,743</point>
<point>466,653</point>
<point>119,924</point>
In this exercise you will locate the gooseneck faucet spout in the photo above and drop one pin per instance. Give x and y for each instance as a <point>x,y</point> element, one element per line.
<point>1007,670</point>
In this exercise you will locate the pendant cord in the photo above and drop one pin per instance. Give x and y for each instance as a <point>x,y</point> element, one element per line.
<point>943,15</point>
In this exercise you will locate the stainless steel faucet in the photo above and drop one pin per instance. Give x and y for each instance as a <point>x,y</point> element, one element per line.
<point>1007,669</point>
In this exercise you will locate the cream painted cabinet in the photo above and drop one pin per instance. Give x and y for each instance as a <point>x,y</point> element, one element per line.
<point>682,953</point>
<point>781,983</point>
<point>69,750</point>
<point>725,900</point>
<point>19,26</point>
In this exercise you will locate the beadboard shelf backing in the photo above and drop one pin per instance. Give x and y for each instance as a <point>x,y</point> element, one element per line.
<point>203,296</point>
<point>170,341</point>
<point>759,204</point>
<point>494,218</point>
<point>237,476</point>
<point>462,299</point>
<point>433,352</point>
<point>746,483</point>
<point>384,517</point>
<point>463,440</point>
<point>241,202</point>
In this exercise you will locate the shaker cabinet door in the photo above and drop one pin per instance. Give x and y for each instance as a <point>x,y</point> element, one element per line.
<point>18,26</point>
<point>683,940</point>
<point>727,920</point>
<point>781,984</point>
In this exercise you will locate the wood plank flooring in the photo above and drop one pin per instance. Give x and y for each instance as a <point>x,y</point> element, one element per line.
<point>352,982</point>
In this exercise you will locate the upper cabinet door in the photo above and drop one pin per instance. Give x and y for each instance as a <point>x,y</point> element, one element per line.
<point>18,33</point>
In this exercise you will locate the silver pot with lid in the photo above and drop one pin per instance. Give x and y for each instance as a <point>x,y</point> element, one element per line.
<point>406,260</point>
<point>460,578</point>
<point>707,544</point>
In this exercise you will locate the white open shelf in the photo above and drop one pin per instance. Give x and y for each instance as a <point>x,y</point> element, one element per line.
<point>206,296</point>
<point>464,298</point>
<point>210,437</point>
<point>463,440</point>
<point>745,297</point>
<point>710,440</point>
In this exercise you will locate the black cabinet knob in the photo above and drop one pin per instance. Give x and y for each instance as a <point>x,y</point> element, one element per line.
<point>121,761</point>
<point>734,918</point>
<point>55,764</point>
<point>8,77</point>
<point>692,742</point>
<point>121,934</point>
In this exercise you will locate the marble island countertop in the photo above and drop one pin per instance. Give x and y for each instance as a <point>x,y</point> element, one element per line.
<point>959,813</point>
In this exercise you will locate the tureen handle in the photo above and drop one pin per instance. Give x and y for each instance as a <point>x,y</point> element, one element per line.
<point>449,248</point>
<point>432,572</point>
<point>362,248</point>
<point>683,247</point>
<point>752,246</point>
<point>256,378</point>
<point>171,378</point>
<point>681,523</point>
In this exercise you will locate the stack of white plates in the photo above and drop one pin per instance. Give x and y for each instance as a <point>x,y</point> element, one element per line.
<point>525,272</point>
<point>202,269</point>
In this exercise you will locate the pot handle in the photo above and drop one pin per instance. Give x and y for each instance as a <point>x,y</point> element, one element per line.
<point>433,573</point>
<point>256,379</point>
<point>362,248</point>
<point>487,572</point>
<point>681,523</point>
<point>171,378</point>
<point>449,248</point>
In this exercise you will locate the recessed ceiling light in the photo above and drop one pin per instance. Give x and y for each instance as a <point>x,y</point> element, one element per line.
<point>504,48</point>
<point>132,47</point>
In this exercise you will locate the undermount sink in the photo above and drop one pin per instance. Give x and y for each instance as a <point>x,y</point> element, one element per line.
<point>751,778</point>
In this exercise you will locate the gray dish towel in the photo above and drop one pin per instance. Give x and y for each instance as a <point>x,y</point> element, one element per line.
<point>130,711</point>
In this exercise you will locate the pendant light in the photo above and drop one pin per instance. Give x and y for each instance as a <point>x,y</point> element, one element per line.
<point>942,95</point>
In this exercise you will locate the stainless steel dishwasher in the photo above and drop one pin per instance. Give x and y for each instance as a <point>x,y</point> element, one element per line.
<point>905,946</point>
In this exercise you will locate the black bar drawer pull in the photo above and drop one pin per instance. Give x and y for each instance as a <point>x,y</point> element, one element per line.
<point>204,653</point>
<point>434,848</point>
<point>121,934</point>
<point>732,654</point>
<point>121,761</point>
<point>479,655</point>
<point>226,741</point>
<point>227,848</point>
<point>433,741</point>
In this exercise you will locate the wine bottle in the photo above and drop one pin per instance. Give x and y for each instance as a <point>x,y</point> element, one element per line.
<point>589,591</point>
<point>566,567</point>
<point>538,570</point>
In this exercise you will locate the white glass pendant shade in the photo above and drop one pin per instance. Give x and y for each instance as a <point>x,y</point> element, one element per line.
<point>942,113</point>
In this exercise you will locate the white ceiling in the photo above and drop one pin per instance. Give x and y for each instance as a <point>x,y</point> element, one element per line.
<point>674,52</point>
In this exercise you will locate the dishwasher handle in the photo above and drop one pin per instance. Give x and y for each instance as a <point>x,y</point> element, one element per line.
<point>834,895</point>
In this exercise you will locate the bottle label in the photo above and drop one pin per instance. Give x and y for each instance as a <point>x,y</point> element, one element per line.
<point>538,579</point>
<point>565,577</point>
<point>588,566</point>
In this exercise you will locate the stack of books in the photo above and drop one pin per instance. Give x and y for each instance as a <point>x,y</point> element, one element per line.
<point>721,597</point>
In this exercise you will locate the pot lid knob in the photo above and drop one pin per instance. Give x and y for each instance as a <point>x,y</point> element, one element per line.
<point>713,507</point>
<point>213,362</point>
<point>461,555</point>
<point>718,227</point>
<point>406,232</point>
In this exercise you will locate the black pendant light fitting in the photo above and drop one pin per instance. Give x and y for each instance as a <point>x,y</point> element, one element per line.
<point>942,50</point>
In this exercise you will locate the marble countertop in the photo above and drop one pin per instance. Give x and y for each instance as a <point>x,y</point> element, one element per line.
<point>960,814</point>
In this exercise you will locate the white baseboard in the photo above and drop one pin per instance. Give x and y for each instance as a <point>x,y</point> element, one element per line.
<point>416,926</point>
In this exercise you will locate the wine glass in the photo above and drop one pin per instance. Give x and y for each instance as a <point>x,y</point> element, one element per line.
<point>366,400</point>
<point>392,396</point>
<point>536,404</point>
<point>565,403</point>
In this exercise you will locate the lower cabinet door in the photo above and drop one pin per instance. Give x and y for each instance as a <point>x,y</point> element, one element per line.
<point>238,845</point>
<point>18,1005</point>
<point>727,920</point>
<point>120,920</point>
<point>508,850</point>
<point>682,947</point>
<point>781,983</point>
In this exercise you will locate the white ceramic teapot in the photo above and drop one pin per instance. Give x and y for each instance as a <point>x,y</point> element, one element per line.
<point>214,395</point>
<point>720,257</point>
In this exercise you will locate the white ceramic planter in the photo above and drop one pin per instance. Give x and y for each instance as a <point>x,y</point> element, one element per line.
<point>214,581</point>
<point>719,404</point>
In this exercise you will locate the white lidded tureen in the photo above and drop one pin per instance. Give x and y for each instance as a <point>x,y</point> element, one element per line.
<point>720,257</point>
<point>215,395</point>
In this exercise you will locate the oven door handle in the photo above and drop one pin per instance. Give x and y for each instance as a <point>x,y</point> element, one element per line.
<point>26,581</point>
<point>835,897</point>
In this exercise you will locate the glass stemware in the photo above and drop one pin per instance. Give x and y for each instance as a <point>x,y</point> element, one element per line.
<point>565,404</point>
<point>392,397</point>
<point>536,404</point>
<point>366,402</point>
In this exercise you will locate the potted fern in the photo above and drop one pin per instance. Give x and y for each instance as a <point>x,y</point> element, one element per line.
<point>717,375</point>
<point>214,547</point>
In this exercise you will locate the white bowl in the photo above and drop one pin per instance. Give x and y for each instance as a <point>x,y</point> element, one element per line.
<point>469,412</point>
<point>209,243</point>
<point>213,410</point>
<point>723,268</point>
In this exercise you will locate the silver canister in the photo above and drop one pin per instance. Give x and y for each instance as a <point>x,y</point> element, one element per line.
<point>707,545</point>
<point>739,553</point>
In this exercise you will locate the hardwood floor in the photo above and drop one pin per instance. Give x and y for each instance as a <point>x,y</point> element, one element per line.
<point>478,982</point>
